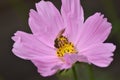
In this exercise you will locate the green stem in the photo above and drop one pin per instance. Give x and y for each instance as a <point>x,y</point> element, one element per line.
<point>74,73</point>
<point>91,74</point>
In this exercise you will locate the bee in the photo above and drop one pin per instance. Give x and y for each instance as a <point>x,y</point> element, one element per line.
<point>60,39</point>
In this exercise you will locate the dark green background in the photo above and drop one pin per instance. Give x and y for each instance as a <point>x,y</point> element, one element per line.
<point>14,16</point>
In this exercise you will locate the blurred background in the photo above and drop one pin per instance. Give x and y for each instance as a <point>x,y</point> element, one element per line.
<point>14,16</point>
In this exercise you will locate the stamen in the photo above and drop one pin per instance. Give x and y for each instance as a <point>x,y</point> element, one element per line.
<point>63,46</point>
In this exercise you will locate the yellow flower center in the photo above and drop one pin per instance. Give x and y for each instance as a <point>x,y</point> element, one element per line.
<point>63,46</point>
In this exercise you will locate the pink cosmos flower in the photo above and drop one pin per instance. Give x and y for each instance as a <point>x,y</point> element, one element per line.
<point>59,40</point>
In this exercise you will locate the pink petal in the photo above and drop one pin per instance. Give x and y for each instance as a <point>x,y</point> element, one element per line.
<point>95,30</point>
<point>70,58</point>
<point>71,9</point>
<point>47,22</point>
<point>47,16</point>
<point>73,16</point>
<point>73,58</point>
<point>47,66</point>
<point>27,46</point>
<point>99,54</point>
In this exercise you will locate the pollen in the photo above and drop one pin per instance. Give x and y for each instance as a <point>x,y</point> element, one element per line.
<point>63,46</point>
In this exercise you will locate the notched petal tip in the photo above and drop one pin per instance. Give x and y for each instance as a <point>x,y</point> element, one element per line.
<point>100,54</point>
<point>102,16</point>
<point>15,37</point>
<point>31,12</point>
<point>42,3</point>
<point>112,47</point>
